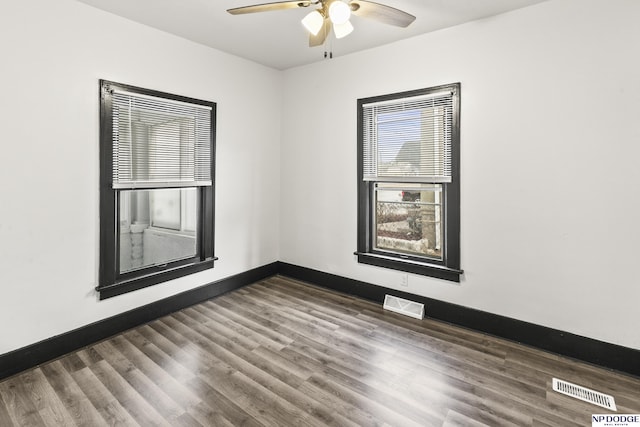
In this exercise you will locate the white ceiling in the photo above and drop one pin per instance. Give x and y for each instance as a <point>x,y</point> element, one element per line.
<point>277,39</point>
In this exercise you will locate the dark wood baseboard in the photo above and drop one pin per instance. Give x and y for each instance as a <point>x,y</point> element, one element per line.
<point>30,356</point>
<point>610,356</point>
<point>603,354</point>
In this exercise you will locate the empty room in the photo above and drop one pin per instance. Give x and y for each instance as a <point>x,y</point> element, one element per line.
<point>324,212</point>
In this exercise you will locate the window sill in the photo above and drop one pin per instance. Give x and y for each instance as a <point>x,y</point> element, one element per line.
<point>136,283</point>
<point>410,266</point>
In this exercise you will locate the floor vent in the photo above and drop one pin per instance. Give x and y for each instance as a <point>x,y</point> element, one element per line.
<point>404,306</point>
<point>584,394</point>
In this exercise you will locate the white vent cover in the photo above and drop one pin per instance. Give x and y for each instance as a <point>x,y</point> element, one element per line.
<point>404,306</point>
<point>584,394</point>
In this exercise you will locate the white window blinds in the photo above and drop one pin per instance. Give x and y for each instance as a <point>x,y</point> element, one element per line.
<point>408,139</point>
<point>160,142</point>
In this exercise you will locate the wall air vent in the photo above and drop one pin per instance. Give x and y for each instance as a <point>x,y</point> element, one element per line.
<point>404,306</point>
<point>584,394</point>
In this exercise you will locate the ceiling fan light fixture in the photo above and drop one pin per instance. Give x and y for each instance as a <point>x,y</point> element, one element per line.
<point>342,30</point>
<point>313,22</point>
<point>339,12</point>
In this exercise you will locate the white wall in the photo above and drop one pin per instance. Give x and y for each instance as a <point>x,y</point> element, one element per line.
<point>550,142</point>
<point>52,55</point>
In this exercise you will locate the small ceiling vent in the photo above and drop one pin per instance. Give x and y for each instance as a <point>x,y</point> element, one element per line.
<point>584,394</point>
<point>404,306</point>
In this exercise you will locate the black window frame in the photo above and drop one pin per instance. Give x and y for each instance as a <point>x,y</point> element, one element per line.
<point>449,267</point>
<point>110,281</point>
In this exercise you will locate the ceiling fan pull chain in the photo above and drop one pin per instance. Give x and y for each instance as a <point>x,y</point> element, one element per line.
<point>328,53</point>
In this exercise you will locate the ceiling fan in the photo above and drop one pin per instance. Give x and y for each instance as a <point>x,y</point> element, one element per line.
<point>333,14</point>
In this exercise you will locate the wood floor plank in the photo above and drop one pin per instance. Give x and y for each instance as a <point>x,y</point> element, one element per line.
<point>296,309</point>
<point>72,362</point>
<point>235,328</point>
<point>538,423</point>
<point>261,317</point>
<point>156,355</point>
<point>130,398</point>
<point>278,340</point>
<point>310,300</point>
<point>470,401</point>
<point>360,377</point>
<point>407,332</point>
<point>134,374</point>
<point>190,355</point>
<point>205,416</point>
<point>89,356</point>
<point>376,370</point>
<point>110,409</point>
<point>181,357</point>
<point>186,420</point>
<point>465,366</point>
<point>20,408</point>
<point>259,402</point>
<point>220,410</point>
<point>284,353</point>
<point>280,317</point>
<point>314,304</point>
<point>455,419</point>
<point>367,403</point>
<point>278,360</point>
<point>158,376</point>
<point>76,402</point>
<point>51,408</point>
<point>351,409</point>
<point>5,418</point>
<point>220,328</point>
<point>336,300</point>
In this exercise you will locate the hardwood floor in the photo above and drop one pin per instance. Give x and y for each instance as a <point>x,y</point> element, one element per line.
<point>284,353</point>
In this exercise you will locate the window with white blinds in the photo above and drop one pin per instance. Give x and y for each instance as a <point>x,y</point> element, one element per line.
<point>157,187</point>
<point>408,139</point>
<point>159,142</point>
<point>408,149</point>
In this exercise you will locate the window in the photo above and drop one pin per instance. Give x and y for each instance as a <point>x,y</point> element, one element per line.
<point>156,187</point>
<point>409,181</point>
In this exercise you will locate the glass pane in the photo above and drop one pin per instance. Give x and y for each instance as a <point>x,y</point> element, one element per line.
<point>165,209</point>
<point>408,219</point>
<point>157,227</point>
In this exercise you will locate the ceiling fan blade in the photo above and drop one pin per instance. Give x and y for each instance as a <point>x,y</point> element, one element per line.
<point>268,7</point>
<point>380,12</point>
<point>318,40</point>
